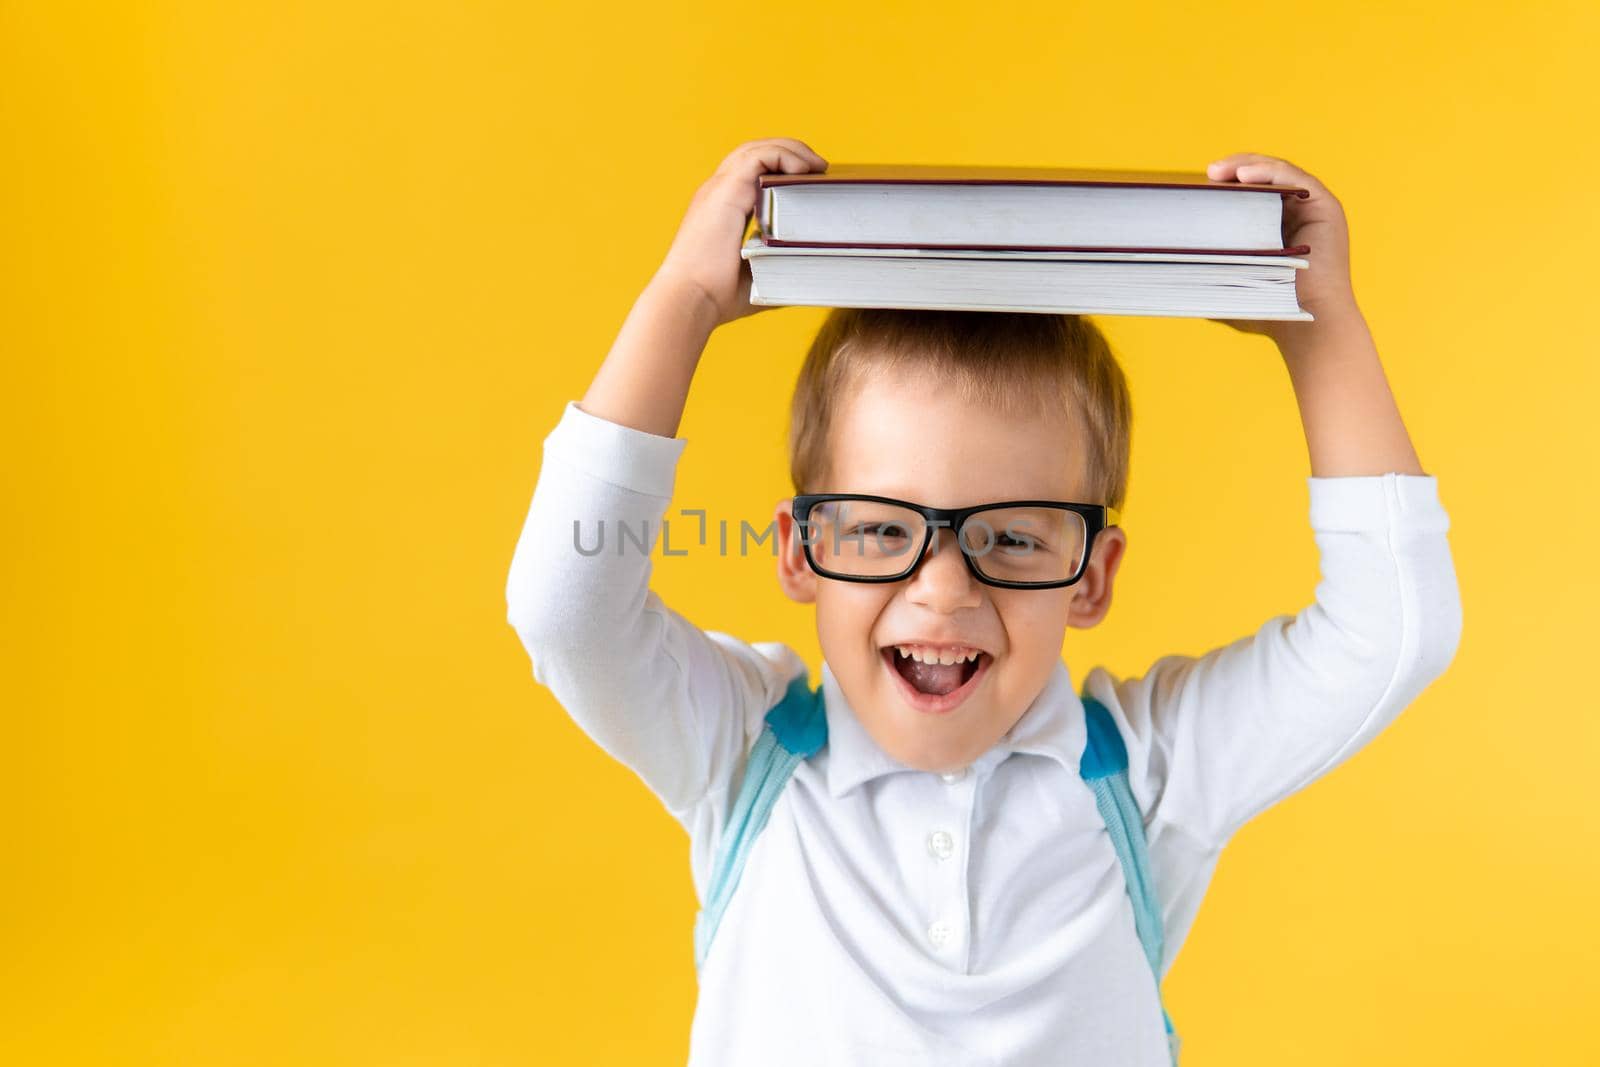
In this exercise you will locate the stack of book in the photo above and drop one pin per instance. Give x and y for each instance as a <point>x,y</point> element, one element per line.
<point>1042,239</point>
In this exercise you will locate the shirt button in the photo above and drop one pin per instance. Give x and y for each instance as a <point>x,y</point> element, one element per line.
<point>941,844</point>
<point>954,776</point>
<point>940,933</point>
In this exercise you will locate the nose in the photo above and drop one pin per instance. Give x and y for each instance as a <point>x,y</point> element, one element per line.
<point>943,583</point>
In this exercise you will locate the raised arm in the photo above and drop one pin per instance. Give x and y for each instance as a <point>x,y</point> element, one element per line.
<point>671,702</point>
<point>1216,739</point>
<point>702,283</point>
<point>1352,424</point>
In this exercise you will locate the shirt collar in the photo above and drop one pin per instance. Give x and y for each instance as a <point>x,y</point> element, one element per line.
<point>1052,726</point>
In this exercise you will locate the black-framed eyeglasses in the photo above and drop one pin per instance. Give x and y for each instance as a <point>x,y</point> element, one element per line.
<point>1012,544</point>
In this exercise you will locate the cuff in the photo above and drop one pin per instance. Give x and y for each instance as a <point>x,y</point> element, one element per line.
<point>1376,502</point>
<point>633,459</point>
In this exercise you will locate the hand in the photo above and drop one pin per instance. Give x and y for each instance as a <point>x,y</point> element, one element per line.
<point>705,252</point>
<point>1324,287</point>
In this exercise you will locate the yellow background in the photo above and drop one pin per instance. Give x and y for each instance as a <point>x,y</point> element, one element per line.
<point>292,293</point>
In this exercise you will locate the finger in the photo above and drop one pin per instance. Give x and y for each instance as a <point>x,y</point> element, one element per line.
<point>1268,170</point>
<point>765,145</point>
<point>1223,169</point>
<point>802,148</point>
<point>743,303</point>
<point>762,157</point>
<point>1281,172</point>
<point>734,183</point>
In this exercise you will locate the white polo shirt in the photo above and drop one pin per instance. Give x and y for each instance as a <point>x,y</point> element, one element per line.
<point>890,916</point>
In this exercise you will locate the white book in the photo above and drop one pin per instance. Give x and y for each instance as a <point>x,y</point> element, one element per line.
<point>999,208</point>
<point>1106,283</point>
<point>1025,215</point>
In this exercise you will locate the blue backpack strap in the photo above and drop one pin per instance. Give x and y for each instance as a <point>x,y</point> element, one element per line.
<point>795,728</point>
<point>1104,767</point>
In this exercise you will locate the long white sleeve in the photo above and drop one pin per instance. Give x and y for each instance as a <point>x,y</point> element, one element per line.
<point>677,705</point>
<point>1216,739</point>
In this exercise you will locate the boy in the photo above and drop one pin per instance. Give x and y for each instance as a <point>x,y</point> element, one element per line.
<point>935,885</point>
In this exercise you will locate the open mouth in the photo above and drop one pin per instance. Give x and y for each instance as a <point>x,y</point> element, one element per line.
<point>935,680</point>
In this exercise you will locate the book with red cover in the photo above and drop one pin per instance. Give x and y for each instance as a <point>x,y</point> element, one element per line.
<point>1026,199</point>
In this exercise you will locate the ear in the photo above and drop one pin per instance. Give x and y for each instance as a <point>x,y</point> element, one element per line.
<point>1092,593</point>
<point>798,580</point>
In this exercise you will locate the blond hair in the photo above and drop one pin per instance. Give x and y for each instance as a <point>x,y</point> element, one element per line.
<point>1009,361</point>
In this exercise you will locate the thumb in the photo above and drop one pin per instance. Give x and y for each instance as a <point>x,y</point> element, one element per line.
<point>742,305</point>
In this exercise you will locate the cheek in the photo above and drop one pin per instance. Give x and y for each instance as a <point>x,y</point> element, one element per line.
<point>847,613</point>
<point>1035,623</point>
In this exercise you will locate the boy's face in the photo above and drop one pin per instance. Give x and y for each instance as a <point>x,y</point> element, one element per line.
<point>904,436</point>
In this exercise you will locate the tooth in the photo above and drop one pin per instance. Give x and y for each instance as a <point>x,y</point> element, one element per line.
<point>948,657</point>
<point>901,649</point>
<point>971,656</point>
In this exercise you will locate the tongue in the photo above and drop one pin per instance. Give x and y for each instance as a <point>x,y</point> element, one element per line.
<point>939,678</point>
